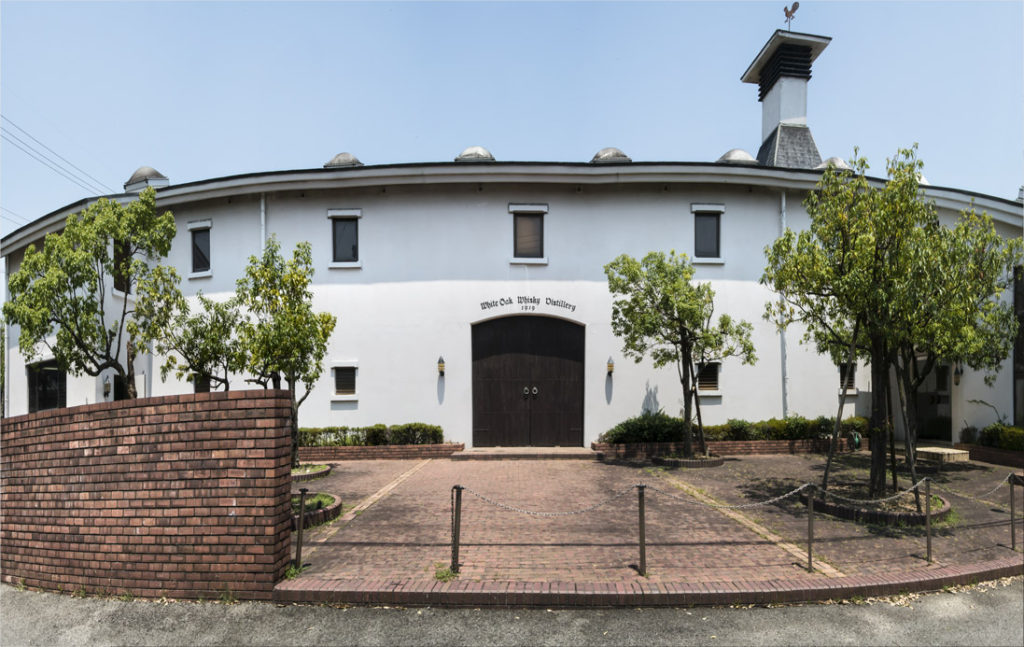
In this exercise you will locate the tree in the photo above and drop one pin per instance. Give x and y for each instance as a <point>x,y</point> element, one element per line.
<point>660,312</point>
<point>282,336</point>
<point>953,310</point>
<point>206,342</point>
<point>60,295</point>
<point>860,276</point>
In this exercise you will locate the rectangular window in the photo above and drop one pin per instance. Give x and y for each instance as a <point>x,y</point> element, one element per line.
<point>942,378</point>
<point>529,235</point>
<point>847,376</point>
<point>344,380</point>
<point>122,267</point>
<point>707,235</point>
<point>47,386</point>
<point>346,239</point>
<point>707,376</point>
<point>200,250</point>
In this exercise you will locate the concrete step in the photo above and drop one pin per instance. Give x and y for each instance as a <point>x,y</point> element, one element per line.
<point>525,453</point>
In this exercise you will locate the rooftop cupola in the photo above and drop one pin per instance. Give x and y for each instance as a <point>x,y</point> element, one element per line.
<point>143,177</point>
<point>781,70</point>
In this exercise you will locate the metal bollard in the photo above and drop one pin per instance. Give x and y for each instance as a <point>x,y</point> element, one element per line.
<point>456,527</point>
<point>810,531</point>
<point>643,529</point>
<point>301,524</point>
<point>928,515</point>
<point>1013,519</point>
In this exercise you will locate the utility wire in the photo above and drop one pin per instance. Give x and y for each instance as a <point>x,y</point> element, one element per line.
<point>14,214</point>
<point>69,162</point>
<point>42,161</point>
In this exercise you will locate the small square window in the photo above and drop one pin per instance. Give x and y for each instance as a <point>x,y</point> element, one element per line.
<point>344,380</point>
<point>848,376</point>
<point>942,378</point>
<point>707,235</point>
<point>529,235</point>
<point>200,250</point>
<point>47,386</point>
<point>707,376</point>
<point>346,239</point>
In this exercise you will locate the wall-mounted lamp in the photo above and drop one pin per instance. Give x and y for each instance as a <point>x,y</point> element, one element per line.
<point>958,372</point>
<point>106,387</point>
<point>611,366</point>
<point>440,366</point>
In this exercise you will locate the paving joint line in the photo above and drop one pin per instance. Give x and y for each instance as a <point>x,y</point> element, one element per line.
<point>826,569</point>
<point>367,502</point>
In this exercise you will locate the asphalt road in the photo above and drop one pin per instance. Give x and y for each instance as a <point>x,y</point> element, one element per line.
<point>991,614</point>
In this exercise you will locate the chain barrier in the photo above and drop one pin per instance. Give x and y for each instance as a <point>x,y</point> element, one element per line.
<point>741,506</point>
<point>505,506</point>
<point>875,501</point>
<point>980,497</point>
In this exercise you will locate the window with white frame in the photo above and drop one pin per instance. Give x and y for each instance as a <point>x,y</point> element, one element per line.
<point>344,375</point>
<point>345,237</point>
<point>199,231</point>
<point>528,233</point>
<point>847,376</point>
<point>707,232</point>
<point>707,377</point>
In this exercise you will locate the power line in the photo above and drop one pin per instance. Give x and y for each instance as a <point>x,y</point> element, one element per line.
<point>53,164</point>
<point>15,214</point>
<point>83,172</point>
<point>44,162</point>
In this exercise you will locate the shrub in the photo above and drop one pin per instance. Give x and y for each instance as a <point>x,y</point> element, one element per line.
<point>413,433</point>
<point>969,435</point>
<point>659,427</point>
<point>1002,436</point>
<point>646,428</point>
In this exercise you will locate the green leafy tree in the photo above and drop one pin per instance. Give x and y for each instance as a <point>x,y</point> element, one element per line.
<point>952,309</point>
<point>282,336</point>
<point>867,280</point>
<point>60,296</point>
<point>660,312</point>
<point>202,347</point>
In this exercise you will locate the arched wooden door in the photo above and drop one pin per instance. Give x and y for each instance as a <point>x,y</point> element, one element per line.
<point>528,382</point>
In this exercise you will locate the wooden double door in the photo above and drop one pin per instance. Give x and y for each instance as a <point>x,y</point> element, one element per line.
<point>528,382</point>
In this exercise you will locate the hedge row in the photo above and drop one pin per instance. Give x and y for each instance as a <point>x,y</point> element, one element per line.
<point>413,433</point>
<point>995,435</point>
<point>662,428</point>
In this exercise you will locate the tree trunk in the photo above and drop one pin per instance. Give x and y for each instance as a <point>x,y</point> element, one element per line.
<point>839,414</point>
<point>892,439</point>
<point>700,422</point>
<point>910,429</point>
<point>295,423</point>
<point>687,406</point>
<point>129,374</point>
<point>878,430</point>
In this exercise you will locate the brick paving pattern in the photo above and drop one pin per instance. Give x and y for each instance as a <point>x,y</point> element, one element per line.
<point>389,552</point>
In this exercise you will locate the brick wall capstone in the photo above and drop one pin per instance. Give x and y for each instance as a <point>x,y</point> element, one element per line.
<point>179,496</point>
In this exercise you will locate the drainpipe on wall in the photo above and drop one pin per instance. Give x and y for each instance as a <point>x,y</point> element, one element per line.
<point>782,333</point>
<point>263,220</point>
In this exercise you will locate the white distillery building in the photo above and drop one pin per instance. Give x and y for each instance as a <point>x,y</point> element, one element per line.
<point>497,267</point>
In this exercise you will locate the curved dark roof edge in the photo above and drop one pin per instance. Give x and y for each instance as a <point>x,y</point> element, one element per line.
<point>83,202</point>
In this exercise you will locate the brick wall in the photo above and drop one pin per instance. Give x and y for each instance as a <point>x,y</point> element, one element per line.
<point>993,455</point>
<point>183,496</point>
<point>373,452</point>
<point>718,447</point>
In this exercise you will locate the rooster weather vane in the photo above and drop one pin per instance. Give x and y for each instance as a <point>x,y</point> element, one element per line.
<point>790,11</point>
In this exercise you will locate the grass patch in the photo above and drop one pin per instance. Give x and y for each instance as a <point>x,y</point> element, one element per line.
<point>308,469</point>
<point>444,573</point>
<point>292,572</point>
<point>315,502</point>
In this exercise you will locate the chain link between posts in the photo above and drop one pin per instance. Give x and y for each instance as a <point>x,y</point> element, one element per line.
<point>690,501</point>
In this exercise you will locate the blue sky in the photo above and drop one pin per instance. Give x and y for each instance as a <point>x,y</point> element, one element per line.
<point>202,90</point>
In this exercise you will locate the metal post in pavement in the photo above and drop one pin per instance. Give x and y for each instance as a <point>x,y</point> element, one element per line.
<point>643,529</point>
<point>301,524</point>
<point>456,527</point>
<point>928,515</point>
<point>810,531</point>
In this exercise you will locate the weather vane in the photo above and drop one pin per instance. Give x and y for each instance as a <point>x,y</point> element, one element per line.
<point>789,11</point>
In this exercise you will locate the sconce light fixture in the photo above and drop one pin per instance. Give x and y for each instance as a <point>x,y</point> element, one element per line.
<point>106,386</point>
<point>440,366</point>
<point>611,366</point>
<point>958,372</point>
